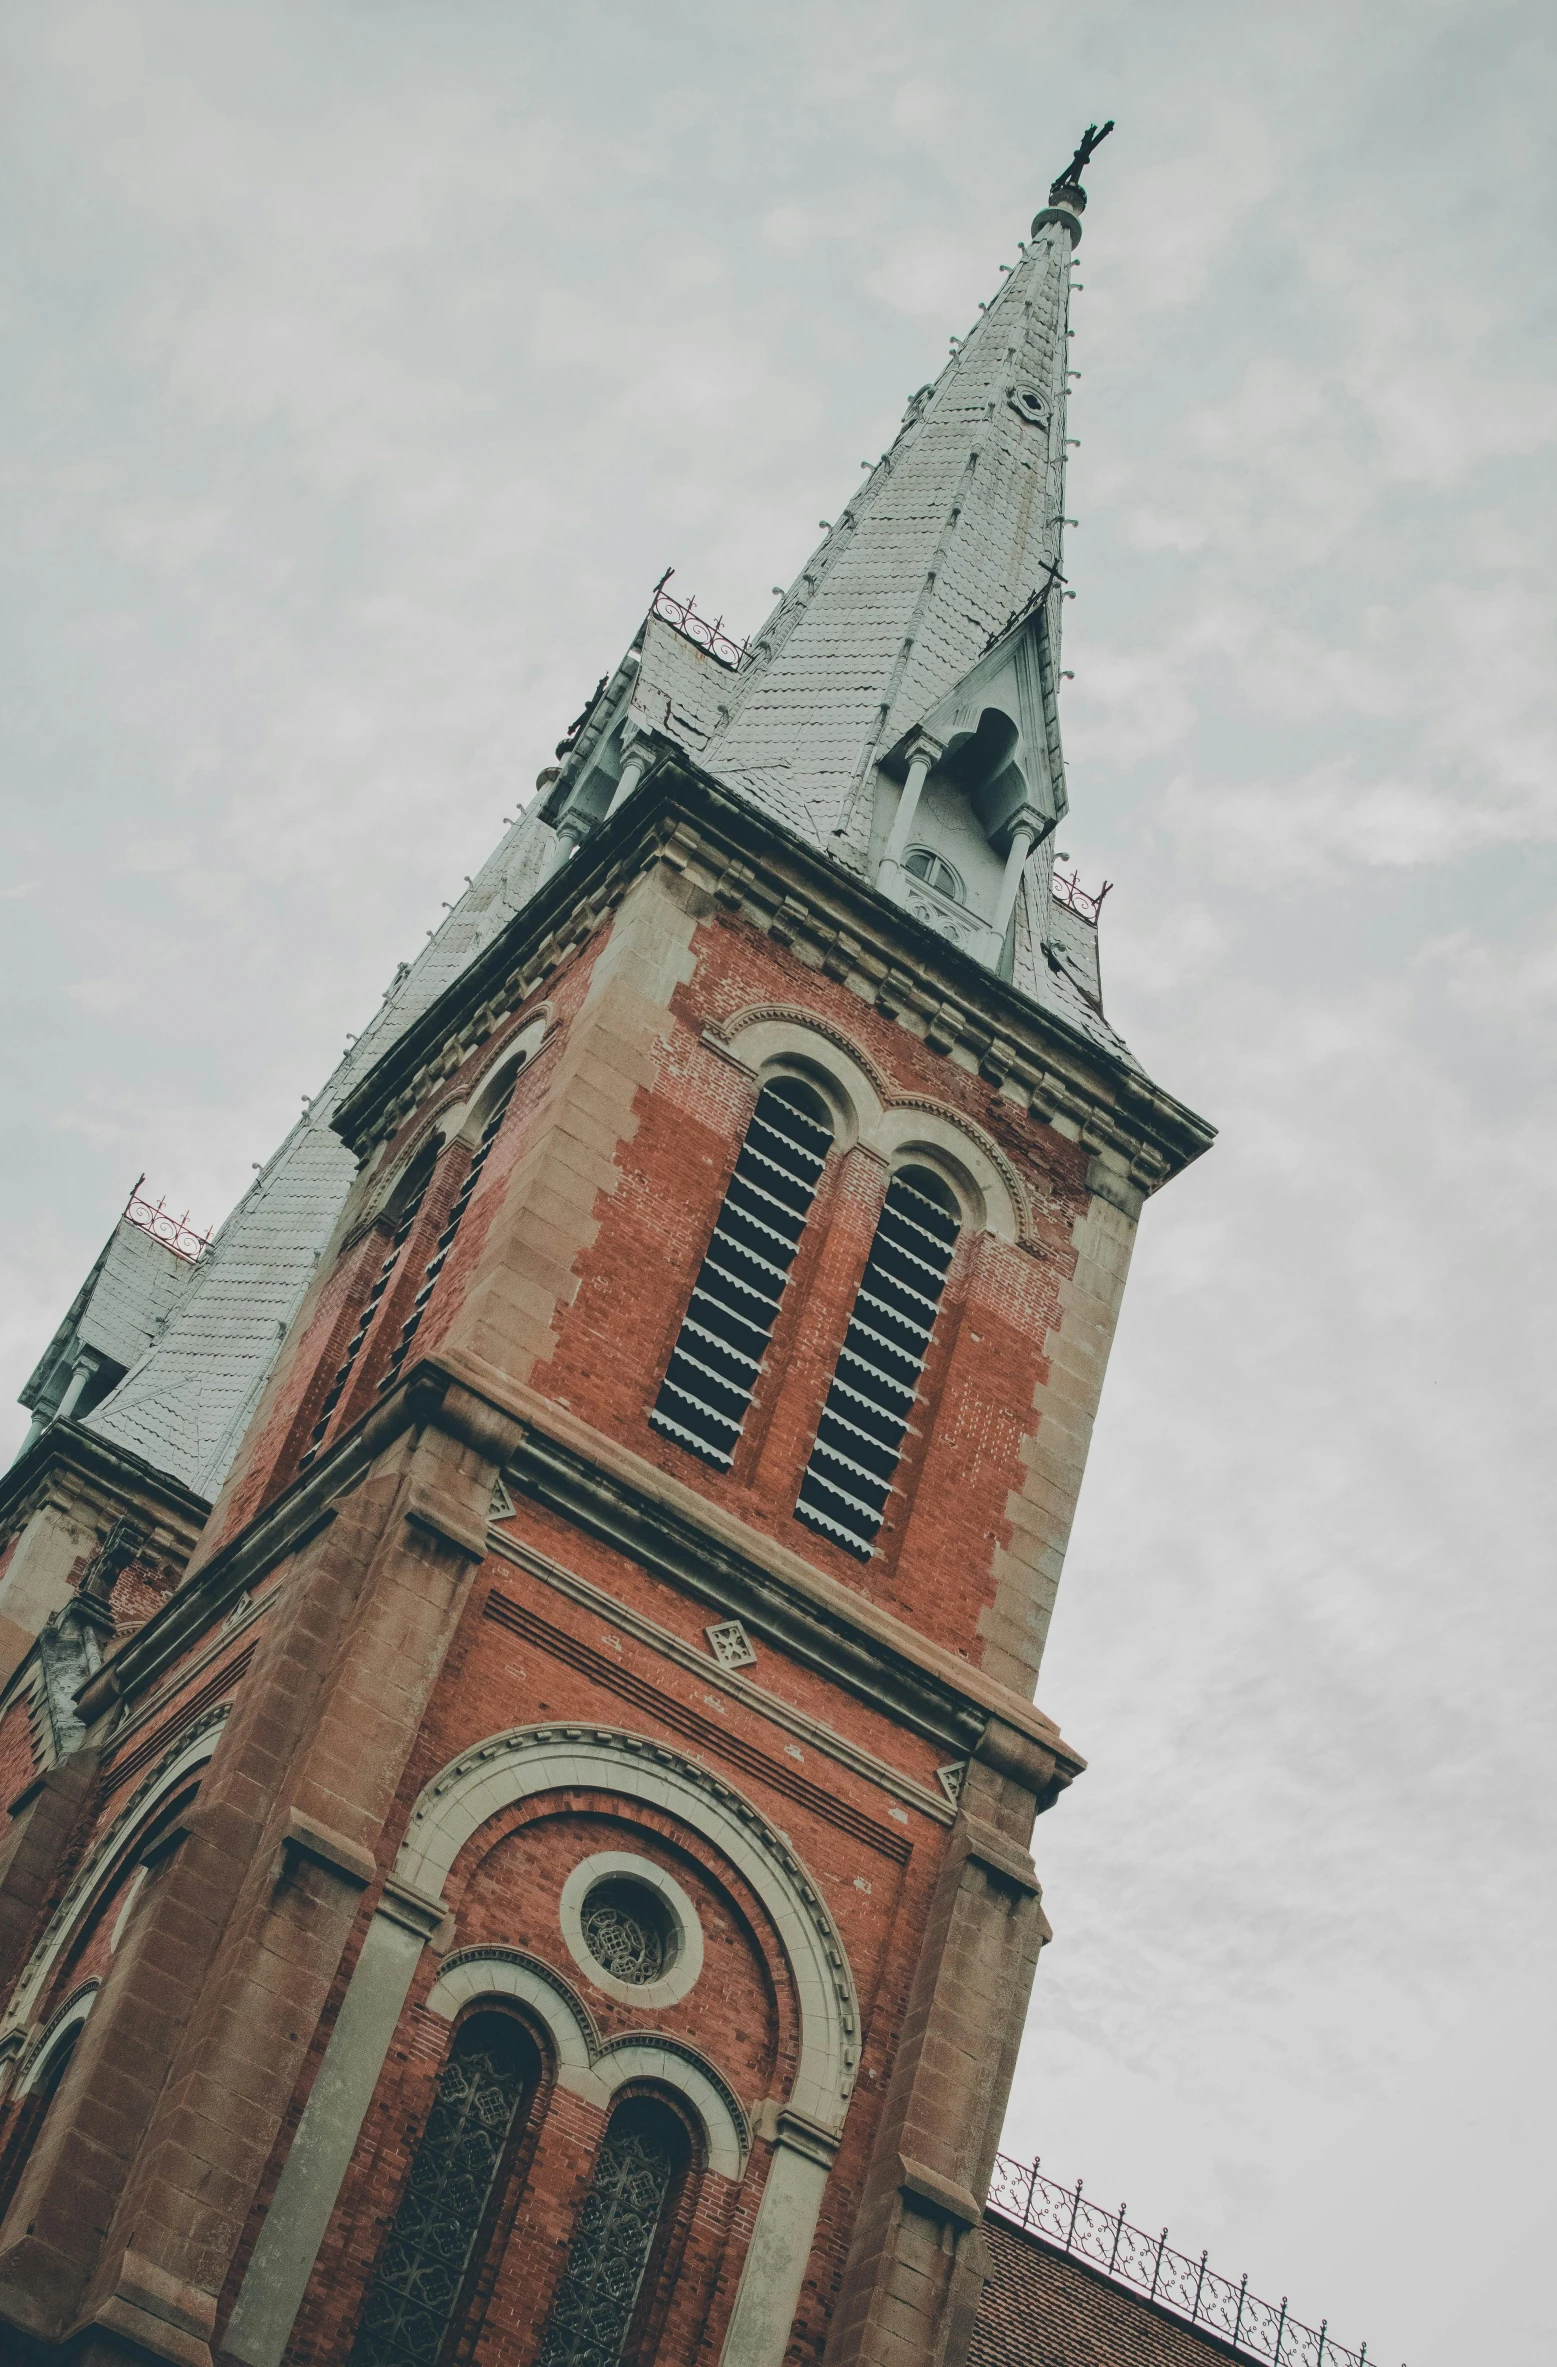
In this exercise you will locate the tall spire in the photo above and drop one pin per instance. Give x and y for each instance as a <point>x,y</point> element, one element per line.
<point>956,532</point>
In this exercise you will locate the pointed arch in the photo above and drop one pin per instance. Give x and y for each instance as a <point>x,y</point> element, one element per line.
<point>107,1860</point>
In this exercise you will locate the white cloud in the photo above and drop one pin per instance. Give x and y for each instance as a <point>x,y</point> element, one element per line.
<point>1268,834</point>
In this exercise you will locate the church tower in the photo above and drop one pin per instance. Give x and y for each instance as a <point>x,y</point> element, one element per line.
<point>546,1881</point>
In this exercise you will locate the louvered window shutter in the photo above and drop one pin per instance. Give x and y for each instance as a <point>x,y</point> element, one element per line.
<point>725,1333</point>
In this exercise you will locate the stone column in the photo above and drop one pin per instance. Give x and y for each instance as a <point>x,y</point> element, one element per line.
<point>636,753</point>
<point>782,2237</point>
<point>917,2261</point>
<point>288,2244</point>
<point>1022,838</point>
<point>923,756</point>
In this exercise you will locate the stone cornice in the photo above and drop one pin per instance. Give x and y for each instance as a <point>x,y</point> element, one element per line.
<point>660,1522</point>
<point>624,1500</point>
<point>69,1446</point>
<point>744,861</point>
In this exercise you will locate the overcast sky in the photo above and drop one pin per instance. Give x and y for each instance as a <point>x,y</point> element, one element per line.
<point>366,364</point>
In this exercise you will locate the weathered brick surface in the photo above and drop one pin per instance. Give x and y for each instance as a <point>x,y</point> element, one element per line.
<point>740,2014</point>
<point>18,1762</point>
<point>1042,2308</point>
<point>984,1383</point>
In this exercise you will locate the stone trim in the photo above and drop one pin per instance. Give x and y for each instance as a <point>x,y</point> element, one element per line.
<point>321,1845</point>
<point>65,2017</point>
<point>474,1787</point>
<point>159,1696</point>
<point>618,1496</point>
<point>625,1501</point>
<point>514,1766</point>
<point>429,1919</point>
<point>670,1646</point>
<point>946,2199</point>
<point>685,819</point>
<point>880,1118</point>
<point>686,1965</point>
<point>989,1848</point>
<point>588,2067</point>
<point>191,1750</point>
<point>447,1520</point>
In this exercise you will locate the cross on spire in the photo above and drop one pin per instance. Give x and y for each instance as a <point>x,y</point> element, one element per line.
<point>1091,139</point>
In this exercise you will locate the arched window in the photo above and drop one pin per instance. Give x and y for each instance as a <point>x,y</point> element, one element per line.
<point>452,1222</point>
<point>724,1335</point>
<point>404,1208</point>
<point>33,2109</point>
<point>859,1438</point>
<point>606,2284</point>
<point>423,2274</point>
<point>924,863</point>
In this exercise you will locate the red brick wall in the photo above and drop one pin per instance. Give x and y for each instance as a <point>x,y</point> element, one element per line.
<point>524,1655</point>
<point>507,1887</point>
<point>962,1460</point>
<point>1044,2309</point>
<point>17,1763</point>
<point>267,1460</point>
<point>526,1652</point>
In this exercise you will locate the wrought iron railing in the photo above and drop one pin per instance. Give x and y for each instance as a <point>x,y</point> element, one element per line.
<point>174,1232</point>
<point>692,627</point>
<point>1069,890</point>
<point>1176,2281</point>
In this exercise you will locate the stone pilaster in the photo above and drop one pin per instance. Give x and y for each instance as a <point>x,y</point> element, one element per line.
<point>917,2261</point>
<point>129,2210</point>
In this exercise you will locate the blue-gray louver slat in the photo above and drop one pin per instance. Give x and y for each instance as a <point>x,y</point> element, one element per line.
<point>859,1438</point>
<point>724,1335</point>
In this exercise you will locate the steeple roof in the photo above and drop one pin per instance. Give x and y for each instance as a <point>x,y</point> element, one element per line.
<point>949,551</point>
<point>957,530</point>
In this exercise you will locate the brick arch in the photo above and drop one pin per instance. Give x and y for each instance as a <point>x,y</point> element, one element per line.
<point>64,2019</point>
<point>587,2066</point>
<point>769,1036</point>
<point>508,1767</point>
<point>601,1817</point>
<point>106,1861</point>
<point>473,1788</point>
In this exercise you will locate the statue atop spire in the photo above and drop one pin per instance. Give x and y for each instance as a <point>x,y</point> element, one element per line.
<point>1091,139</point>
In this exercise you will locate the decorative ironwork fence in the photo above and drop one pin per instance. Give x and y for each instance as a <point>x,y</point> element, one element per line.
<point>1257,2329</point>
<point>692,627</point>
<point>174,1232</point>
<point>1069,890</point>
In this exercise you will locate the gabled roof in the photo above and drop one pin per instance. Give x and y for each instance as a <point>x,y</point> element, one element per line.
<point>187,1401</point>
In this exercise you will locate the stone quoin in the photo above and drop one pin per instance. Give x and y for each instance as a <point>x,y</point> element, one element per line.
<point>520,1651</point>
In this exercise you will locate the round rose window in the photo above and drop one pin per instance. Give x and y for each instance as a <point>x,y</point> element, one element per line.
<point>628,1930</point>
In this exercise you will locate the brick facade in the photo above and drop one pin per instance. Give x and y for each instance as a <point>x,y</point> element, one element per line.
<point>1043,2309</point>
<point>342,1809</point>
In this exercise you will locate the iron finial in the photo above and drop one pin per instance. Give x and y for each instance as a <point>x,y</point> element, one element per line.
<point>1070,178</point>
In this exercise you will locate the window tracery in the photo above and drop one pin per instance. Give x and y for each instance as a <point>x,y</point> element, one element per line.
<point>627,1931</point>
<point>423,2268</point>
<point>415,1191</point>
<point>924,863</point>
<point>614,2237</point>
<point>452,1223</point>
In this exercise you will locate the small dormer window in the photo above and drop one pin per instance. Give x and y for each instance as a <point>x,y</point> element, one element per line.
<point>924,863</point>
